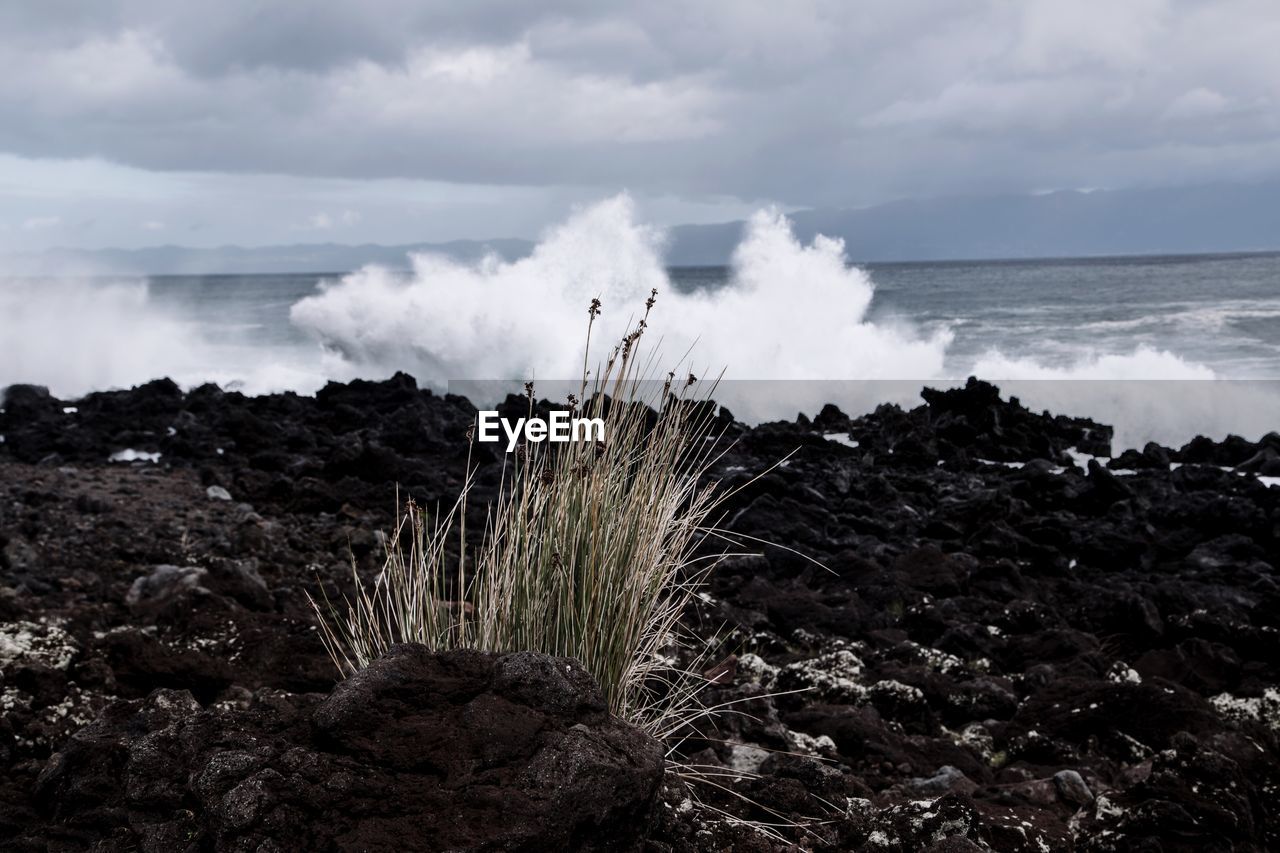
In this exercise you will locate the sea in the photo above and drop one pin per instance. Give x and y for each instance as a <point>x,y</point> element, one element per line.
<point>1165,347</point>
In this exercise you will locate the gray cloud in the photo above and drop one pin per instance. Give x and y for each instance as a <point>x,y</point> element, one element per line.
<point>806,103</point>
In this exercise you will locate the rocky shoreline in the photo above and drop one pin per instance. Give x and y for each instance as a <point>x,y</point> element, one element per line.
<point>1018,643</point>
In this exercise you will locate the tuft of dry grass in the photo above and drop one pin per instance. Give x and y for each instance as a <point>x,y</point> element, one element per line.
<point>590,549</point>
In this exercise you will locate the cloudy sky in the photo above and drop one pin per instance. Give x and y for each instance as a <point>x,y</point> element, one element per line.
<point>142,122</point>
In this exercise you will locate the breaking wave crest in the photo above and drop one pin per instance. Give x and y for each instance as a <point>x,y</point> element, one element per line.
<point>76,335</point>
<point>493,319</point>
<point>789,311</point>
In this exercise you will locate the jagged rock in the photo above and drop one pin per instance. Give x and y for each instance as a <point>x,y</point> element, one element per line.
<point>1072,788</point>
<point>1010,612</point>
<point>420,751</point>
<point>947,780</point>
<point>164,587</point>
<point>241,580</point>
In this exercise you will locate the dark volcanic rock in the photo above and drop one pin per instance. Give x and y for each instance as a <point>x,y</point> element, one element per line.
<point>995,646</point>
<point>976,420</point>
<point>362,436</point>
<point>456,751</point>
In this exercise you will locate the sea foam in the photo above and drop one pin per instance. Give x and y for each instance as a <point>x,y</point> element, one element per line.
<point>76,333</point>
<point>789,311</point>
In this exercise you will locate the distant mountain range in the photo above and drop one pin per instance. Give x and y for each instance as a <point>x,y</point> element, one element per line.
<point>299,258</point>
<point>1195,220</point>
<point>1188,220</point>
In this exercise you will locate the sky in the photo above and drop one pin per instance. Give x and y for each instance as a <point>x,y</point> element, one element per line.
<point>144,122</point>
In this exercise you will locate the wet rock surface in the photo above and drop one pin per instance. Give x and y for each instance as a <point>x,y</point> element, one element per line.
<point>1008,645</point>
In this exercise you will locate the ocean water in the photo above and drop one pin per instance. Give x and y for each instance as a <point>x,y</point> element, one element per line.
<point>783,316</point>
<point>1220,311</point>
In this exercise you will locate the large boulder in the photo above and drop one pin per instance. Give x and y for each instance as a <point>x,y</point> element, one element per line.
<point>420,751</point>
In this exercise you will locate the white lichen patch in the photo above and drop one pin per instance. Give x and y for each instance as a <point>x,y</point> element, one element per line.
<point>833,676</point>
<point>878,839</point>
<point>807,744</point>
<point>36,726</point>
<point>937,660</point>
<point>1265,708</point>
<point>12,698</point>
<point>857,806</point>
<point>204,644</point>
<point>904,693</point>
<point>35,643</point>
<point>1121,673</point>
<point>910,825</point>
<point>756,669</point>
<point>806,638</point>
<point>76,710</point>
<point>1104,809</point>
<point>974,737</point>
